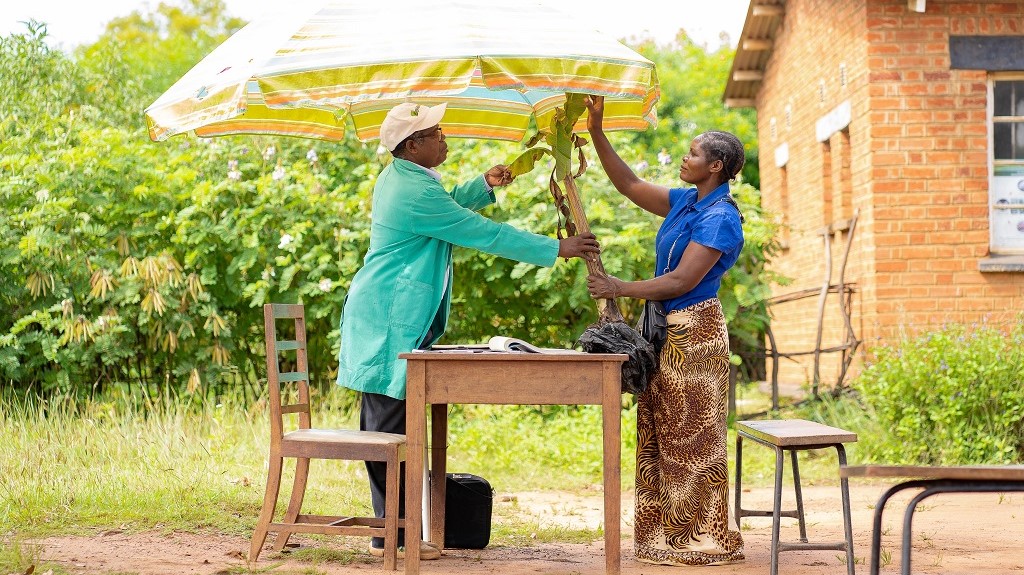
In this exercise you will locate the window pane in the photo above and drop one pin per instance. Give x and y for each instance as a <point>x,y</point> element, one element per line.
<point>1018,141</point>
<point>1003,94</point>
<point>1009,98</point>
<point>1003,140</point>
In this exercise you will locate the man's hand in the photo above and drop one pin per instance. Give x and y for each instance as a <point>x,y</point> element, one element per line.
<point>498,176</point>
<point>580,245</point>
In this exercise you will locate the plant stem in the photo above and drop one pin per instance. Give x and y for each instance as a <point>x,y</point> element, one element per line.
<point>609,310</point>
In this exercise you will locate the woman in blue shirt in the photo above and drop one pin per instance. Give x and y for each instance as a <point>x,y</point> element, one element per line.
<point>682,512</point>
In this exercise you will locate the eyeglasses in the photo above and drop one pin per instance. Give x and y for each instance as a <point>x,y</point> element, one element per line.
<point>429,133</point>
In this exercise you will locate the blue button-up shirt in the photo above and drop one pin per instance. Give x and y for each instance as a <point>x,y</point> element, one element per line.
<point>710,222</point>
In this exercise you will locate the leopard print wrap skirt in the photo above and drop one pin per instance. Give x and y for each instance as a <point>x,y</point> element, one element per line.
<point>682,479</point>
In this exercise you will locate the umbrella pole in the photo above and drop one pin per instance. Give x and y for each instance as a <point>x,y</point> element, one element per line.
<point>609,310</point>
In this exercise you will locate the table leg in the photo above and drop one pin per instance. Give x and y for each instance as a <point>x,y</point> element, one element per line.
<point>416,435</point>
<point>438,470</point>
<point>611,407</point>
<point>799,496</point>
<point>844,487</point>
<point>780,460</point>
<point>737,510</point>
<point>876,528</point>
<point>936,486</point>
<point>908,519</point>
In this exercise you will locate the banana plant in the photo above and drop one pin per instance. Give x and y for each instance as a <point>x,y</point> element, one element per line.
<point>561,145</point>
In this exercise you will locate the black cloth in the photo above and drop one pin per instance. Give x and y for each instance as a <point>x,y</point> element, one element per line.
<point>387,414</point>
<point>384,413</point>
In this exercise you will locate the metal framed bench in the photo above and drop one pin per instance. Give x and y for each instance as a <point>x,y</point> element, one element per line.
<point>794,435</point>
<point>931,481</point>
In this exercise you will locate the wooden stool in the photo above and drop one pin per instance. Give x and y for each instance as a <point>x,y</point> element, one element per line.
<point>794,435</point>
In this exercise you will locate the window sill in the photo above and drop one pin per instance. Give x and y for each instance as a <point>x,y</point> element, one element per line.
<point>1001,264</point>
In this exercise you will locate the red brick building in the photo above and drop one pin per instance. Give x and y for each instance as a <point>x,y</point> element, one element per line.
<point>910,114</point>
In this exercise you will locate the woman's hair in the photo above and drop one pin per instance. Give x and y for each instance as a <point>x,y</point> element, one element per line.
<point>726,147</point>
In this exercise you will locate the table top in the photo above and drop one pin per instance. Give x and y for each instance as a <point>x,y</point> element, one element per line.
<point>794,432</point>
<point>513,377</point>
<point>475,353</point>
<point>967,472</point>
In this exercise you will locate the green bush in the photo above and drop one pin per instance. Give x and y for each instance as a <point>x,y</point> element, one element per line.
<point>950,397</point>
<point>143,266</point>
<point>132,262</point>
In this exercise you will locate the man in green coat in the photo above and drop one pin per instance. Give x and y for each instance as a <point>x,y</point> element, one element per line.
<point>400,299</point>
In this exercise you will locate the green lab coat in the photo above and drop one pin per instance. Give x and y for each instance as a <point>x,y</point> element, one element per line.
<point>404,288</point>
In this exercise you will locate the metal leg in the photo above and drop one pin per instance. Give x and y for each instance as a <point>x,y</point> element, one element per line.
<point>776,512</point>
<point>908,519</point>
<point>799,497</point>
<point>739,478</point>
<point>876,527</point>
<point>936,486</point>
<point>844,486</point>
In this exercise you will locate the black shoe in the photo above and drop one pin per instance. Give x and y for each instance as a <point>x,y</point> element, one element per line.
<point>428,551</point>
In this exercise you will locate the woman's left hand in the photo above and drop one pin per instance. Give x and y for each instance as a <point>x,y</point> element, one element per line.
<point>499,176</point>
<point>604,286</point>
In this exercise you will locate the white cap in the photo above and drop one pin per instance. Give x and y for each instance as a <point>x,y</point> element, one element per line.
<point>406,118</point>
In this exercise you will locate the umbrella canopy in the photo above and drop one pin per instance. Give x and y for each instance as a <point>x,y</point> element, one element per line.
<point>305,70</point>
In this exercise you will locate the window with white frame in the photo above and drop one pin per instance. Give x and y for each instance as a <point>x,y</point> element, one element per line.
<point>1006,192</point>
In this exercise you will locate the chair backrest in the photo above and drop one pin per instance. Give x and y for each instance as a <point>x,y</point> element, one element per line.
<point>300,377</point>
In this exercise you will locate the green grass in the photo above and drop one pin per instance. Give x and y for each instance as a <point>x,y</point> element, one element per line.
<point>19,557</point>
<point>77,467</point>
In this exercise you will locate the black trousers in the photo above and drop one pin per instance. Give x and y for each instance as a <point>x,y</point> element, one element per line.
<point>387,414</point>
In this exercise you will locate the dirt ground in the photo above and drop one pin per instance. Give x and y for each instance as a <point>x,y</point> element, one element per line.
<point>953,534</point>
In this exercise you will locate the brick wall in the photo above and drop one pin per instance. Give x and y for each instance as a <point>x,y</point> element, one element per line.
<point>913,160</point>
<point>819,62</point>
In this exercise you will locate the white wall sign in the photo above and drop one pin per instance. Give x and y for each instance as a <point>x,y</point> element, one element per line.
<point>833,121</point>
<point>781,155</point>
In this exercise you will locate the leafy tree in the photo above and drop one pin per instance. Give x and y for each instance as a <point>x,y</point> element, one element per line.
<point>693,81</point>
<point>128,262</point>
<point>161,45</point>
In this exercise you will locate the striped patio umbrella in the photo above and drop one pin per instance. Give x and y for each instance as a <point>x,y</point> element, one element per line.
<point>312,69</point>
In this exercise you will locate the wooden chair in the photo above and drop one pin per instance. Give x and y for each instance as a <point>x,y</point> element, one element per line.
<point>306,443</point>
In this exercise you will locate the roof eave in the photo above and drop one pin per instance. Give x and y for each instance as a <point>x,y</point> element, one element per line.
<point>754,49</point>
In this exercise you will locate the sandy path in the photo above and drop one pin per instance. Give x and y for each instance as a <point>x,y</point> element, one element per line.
<point>954,533</point>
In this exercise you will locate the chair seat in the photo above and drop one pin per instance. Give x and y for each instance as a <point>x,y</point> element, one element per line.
<point>350,444</point>
<point>344,437</point>
<point>794,433</point>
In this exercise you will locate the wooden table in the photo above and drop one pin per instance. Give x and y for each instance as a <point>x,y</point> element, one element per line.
<point>932,480</point>
<point>439,378</point>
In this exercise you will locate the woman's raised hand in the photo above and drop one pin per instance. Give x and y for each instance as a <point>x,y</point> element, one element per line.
<point>595,112</point>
